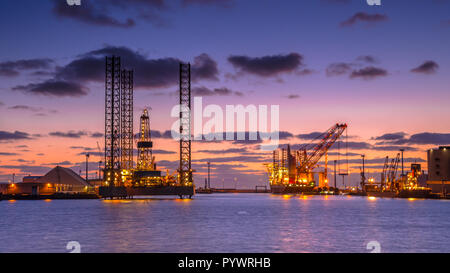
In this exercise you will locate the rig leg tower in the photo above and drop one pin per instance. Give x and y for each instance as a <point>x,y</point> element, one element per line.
<point>126,122</point>
<point>112,122</point>
<point>185,169</point>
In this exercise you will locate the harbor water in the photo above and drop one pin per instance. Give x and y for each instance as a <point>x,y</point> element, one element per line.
<point>227,223</point>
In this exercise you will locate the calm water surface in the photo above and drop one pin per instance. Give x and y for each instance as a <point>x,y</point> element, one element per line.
<point>227,223</point>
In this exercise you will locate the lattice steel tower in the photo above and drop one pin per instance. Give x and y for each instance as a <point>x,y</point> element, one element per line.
<point>112,121</point>
<point>185,170</point>
<point>145,144</point>
<point>127,120</point>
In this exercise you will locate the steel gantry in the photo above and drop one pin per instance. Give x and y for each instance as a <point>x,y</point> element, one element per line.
<point>112,121</point>
<point>185,169</point>
<point>127,119</point>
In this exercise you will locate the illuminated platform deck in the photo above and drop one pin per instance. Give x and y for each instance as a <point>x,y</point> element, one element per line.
<point>129,192</point>
<point>283,189</point>
<point>55,196</point>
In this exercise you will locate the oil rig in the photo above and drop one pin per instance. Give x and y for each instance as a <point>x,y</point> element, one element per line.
<point>293,171</point>
<point>123,178</point>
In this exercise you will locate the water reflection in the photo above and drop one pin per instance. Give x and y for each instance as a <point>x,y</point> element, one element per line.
<point>227,223</point>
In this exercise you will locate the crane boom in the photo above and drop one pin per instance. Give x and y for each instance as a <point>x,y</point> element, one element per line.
<point>384,173</point>
<point>393,169</point>
<point>99,150</point>
<point>100,154</point>
<point>328,139</point>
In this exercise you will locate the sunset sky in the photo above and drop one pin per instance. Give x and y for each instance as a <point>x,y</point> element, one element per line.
<point>382,70</point>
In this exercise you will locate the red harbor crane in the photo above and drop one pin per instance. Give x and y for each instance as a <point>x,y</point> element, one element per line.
<point>297,167</point>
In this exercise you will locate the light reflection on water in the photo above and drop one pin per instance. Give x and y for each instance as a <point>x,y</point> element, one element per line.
<point>227,223</point>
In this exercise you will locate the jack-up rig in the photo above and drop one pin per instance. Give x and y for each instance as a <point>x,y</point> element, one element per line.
<point>122,177</point>
<point>293,171</point>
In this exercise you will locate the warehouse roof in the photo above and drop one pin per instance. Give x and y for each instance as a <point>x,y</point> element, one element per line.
<point>65,176</point>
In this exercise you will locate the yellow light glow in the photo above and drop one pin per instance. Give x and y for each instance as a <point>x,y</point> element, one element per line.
<point>411,199</point>
<point>183,200</point>
<point>372,198</point>
<point>113,201</point>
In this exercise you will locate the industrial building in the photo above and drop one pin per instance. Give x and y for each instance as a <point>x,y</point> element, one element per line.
<point>57,180</point>
<point>439,169</point>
